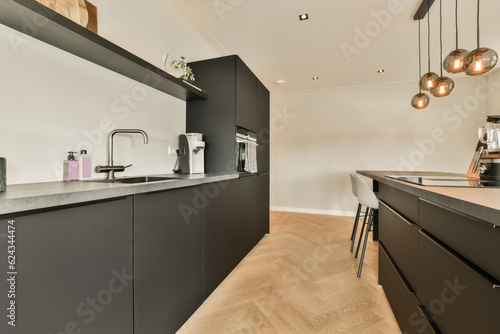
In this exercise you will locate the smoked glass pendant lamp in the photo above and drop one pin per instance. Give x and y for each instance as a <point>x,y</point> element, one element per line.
<point>420,100</point>
<point>481,60</point>
<point>428,80</point>
<point>444,85</point>
<point>455,61</point>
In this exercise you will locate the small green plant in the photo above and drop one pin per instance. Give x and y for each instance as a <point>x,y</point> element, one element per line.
<point>181,64</point>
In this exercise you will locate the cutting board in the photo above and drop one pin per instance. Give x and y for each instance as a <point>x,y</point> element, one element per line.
<point>79,11</point>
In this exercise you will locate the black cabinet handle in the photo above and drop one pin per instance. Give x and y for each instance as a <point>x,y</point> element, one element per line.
<point>463,261</point>
<point>396,269</point>
<point>427,318</point>
<point>397,214</point>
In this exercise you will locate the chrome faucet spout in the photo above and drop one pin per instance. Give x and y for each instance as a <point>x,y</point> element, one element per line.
<point>114,132</point>
<point>109,168</point>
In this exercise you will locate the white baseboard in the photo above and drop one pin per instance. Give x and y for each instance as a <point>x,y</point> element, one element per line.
<point>315,211</point>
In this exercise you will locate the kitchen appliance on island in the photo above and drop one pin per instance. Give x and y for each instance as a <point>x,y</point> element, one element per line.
<point>484,169</point>
<point>192,153</point>
<point>485,164</point>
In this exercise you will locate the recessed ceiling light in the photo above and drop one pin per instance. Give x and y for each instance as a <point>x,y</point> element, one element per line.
<point>304,17</point>
<point>315,78</point>
<point>381,71</point>
<point>280,82</point>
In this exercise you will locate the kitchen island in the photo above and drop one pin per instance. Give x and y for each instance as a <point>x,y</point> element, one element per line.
<point>437,254</point>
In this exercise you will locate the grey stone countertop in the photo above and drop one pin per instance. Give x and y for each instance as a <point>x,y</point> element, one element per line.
<point>33,196</point>
<point>482,203</point>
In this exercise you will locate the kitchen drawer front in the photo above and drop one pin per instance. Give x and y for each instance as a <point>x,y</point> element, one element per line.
<point>405,203</point>
<point>459,297</point>
<point>403,301</point>
<point>474,239</point>
<point>428,326</point>
<point>400,238</point>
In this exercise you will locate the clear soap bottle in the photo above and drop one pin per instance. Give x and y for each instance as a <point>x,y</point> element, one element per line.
<point>70,168</point>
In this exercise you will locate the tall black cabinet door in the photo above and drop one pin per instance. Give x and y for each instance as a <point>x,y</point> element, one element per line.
<point>168,259</point>
<point>74,269</point>
<point>220,232</point>
<point>248,231</point>
<point>246,97</point>
<point>262,205</point>
<point>263,129</point>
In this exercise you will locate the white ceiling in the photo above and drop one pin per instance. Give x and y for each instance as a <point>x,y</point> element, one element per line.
<point>269,37</point>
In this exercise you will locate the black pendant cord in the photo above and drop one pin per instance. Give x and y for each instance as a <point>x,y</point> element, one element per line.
<point>441,35</point>
<point>428,36</point>
<point>456,21</point>
<point>419,58</point>
<point>478,24</point>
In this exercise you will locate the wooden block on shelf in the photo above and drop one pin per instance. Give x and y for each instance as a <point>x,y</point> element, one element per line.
<point>79,11</point>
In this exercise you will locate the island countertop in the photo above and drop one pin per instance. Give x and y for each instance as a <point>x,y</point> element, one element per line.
<point>482,203</point>
<point>34,196</point>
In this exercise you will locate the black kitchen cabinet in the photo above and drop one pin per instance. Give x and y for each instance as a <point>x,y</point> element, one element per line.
<point>220,232</point>
<point>74,269</point>
<point>400,237</point>
<point>264,131</point>
<point>443,258</point>
<point>246,97</point>
<point>468,236</point>
<point>168,259</point>
<point>262,210</point>
<point>458,295</point>
<point>253,212</point>
<point>215,118</point>
<point>248,232</point>
<point>237,98</point>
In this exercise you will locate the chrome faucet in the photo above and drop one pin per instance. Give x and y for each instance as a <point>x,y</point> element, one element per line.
<point>110,168</point>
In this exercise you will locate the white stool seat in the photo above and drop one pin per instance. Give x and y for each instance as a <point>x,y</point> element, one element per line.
<point>366,197</point>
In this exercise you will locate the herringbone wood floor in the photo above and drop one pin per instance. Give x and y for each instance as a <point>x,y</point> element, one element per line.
<point>299,279</point>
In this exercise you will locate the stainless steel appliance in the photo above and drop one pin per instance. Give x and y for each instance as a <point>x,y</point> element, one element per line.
<point>485,164</point>
<point>192,153</point>
<point>246,151</point>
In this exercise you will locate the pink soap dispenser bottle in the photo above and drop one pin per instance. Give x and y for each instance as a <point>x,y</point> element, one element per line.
<point>71,168</point>
<point>84,166</point>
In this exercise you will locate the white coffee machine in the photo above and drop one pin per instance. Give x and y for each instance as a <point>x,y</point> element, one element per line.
<point>191,153</point>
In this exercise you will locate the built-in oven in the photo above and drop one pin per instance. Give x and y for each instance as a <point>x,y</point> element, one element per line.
<point>246,151</point>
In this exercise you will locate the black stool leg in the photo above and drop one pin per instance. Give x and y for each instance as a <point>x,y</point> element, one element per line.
<point>358,213</point>
<point>370,221</point>
<point>361,234</point>
<point>355,227</point>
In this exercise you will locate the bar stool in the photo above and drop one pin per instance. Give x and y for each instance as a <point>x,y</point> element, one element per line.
<point>358,212</point>
<point>366,197</point>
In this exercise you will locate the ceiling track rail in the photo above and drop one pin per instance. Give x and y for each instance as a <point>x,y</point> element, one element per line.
<point>423,9</point>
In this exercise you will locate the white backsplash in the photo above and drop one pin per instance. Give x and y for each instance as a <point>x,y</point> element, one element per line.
<point>53,102</point>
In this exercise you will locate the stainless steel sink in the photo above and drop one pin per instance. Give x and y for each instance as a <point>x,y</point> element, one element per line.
<point>139,179</point>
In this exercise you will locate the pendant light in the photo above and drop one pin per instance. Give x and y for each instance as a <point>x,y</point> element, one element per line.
<point>428,80</point>
<point>455,60</point>
<point>420,100</point>
<point>481,60</point>
<point>444,85</point>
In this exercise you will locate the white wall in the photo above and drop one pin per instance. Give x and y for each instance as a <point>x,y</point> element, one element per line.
<point>494,100</point>
<point>318,138</point>
<point>53,102</point>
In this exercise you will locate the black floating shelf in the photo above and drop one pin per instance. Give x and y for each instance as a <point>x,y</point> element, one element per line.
<point>40,22</point>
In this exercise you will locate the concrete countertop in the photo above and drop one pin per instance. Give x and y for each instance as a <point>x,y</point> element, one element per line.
<point>482,203</point>
<point>33,196</point>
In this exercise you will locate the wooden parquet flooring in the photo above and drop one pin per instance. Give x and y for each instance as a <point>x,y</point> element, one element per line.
<point>299,279</point>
